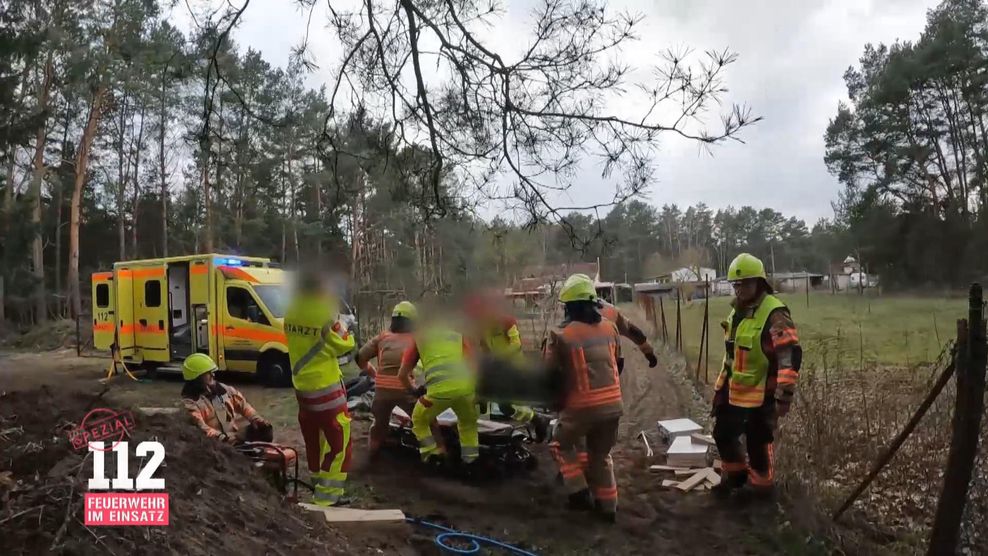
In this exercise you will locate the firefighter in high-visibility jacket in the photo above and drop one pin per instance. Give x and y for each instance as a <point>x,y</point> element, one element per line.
<point>388,347</point>
<point>499,337</point>
<point>757,381</point>
<point>586,348</point>
<point>316,338</point>
<point>449,384</point>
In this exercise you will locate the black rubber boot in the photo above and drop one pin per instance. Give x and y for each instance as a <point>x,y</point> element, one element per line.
<point>607,516</point>
<point>728,484</point>
<point>541,425</point>
<point>581,501</point>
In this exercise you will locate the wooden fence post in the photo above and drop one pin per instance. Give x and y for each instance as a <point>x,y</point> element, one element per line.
<point>679,322</point>
<point>706,344</point>
<point>966,423</point>
<point>665,329</point>
<point>703,337</point>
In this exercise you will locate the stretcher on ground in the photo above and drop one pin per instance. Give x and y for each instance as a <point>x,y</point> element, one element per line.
<point>503,445</point>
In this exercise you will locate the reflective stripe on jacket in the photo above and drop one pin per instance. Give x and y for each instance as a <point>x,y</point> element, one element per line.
<point>221,413</point>
<point>588,354</point>
<point>388,348</point>
<point>447,372</point>
<point>746,364</point>
<point>315,340</point>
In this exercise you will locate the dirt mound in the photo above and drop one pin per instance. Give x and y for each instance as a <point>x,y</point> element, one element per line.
<point>46,337</point>
<point>218,503</point>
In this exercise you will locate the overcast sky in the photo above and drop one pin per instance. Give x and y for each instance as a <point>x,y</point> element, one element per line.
<point>793,54</point>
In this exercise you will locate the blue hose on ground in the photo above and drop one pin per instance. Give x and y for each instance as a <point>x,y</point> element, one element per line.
<point>474,542</point>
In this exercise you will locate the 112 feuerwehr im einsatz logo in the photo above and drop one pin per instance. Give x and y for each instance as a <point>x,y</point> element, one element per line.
<point>120,494</point>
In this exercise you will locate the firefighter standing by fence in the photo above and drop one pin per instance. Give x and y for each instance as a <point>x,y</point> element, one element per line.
<point>586,348</point>
<point>316,338</point>
<point>758,379</point>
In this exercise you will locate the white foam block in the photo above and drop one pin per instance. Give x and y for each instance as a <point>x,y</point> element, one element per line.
<point>685,445</point>
<point>679,427</point>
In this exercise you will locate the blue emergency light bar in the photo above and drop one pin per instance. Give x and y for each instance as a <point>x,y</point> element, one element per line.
<point>229,262</point>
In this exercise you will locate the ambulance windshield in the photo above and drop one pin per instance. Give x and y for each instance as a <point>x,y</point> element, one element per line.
<point>274,297</point>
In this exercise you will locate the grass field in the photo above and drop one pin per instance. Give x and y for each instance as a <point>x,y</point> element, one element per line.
<point>844,329</point>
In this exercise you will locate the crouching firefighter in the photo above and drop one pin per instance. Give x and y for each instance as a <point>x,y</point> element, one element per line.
<point>449,384</point>
<point>586,349</point>
<point>219,410</point>
<point>758,379</point>
<point>316,338</point>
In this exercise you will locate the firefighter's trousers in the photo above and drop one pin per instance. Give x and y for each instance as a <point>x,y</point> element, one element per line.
<point>429,407</point>
<point>597,473</point>
<point>327,449</point>
<point>517,412</point>
<point>757,425</point>
<point>385,400</point>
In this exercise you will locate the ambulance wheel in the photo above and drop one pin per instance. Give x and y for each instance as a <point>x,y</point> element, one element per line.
<point>274,370</point>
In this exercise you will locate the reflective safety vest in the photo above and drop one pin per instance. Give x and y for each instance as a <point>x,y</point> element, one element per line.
<point>591,353</point>
<point>315,340</point>
<point>503,339</point>
<point>745,363</point>
<point>390,347</point>
<point>447,373</point>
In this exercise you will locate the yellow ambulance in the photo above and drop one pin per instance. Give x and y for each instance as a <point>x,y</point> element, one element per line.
<point>159,311</point>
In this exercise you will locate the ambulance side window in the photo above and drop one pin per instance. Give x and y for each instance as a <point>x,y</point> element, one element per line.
<point>152,293</point>
<point>241,305</point>
<point>102,296</point>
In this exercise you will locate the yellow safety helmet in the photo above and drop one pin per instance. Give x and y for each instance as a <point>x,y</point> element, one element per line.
<point>405,309</point>
<point>197,365</point>
<point>746,266</point>
<point>578,287</point>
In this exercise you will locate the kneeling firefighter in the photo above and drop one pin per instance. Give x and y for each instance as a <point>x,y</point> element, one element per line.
<point>316,338</point>
<point>586,348</point>
<point>219,410</point>
<point>223,413</point>
<point>388,347</point>
<point>758,378</point>
<point>449,384</point>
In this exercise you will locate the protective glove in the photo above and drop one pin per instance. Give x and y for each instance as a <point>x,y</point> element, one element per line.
<point>419,392</point>
<point>652,360</point>
<point>227,439</point>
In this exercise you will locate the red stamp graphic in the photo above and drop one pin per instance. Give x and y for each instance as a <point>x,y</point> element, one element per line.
<point>102,425</point>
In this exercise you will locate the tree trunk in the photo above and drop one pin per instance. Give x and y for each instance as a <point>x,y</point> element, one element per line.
<point>121,182</point>
<point>207,206</point>
<point>37,245</point>
<point>8,196</point>
<point>81,166</point>
<point>135,176</point>
<point>161,166</point>
<point>59,204</point>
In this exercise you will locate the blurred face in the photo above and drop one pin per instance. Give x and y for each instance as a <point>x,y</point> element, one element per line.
<point>746,290</point>
<point>207,380</point>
